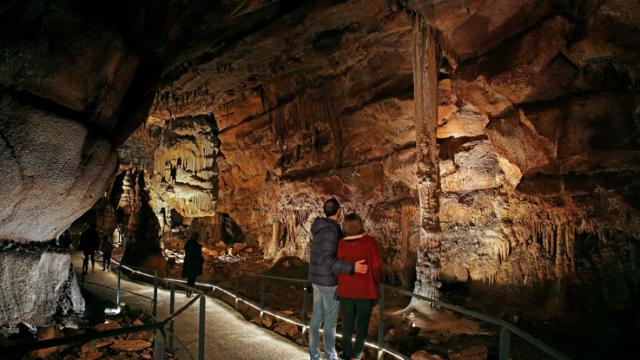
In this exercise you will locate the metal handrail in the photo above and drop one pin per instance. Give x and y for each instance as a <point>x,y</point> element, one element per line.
<point>506,327</point>
<point>504,336</point>
<point>172,315</point>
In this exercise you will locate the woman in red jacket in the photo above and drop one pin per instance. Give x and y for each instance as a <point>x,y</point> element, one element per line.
<point>357,292</point>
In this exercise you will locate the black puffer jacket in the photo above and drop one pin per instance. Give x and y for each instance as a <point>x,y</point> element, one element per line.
<point>324,247</point>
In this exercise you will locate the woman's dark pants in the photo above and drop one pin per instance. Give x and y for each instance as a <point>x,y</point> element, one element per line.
<point>356,311</point>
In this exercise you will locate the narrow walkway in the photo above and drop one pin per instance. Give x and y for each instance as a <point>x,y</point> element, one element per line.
<point>228,335</point>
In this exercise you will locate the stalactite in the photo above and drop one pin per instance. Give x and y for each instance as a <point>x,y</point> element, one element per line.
<point>550,236</point>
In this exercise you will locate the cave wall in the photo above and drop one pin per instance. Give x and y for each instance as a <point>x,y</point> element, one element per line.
<point>538,132</point>
<point>538,126</point>
<point>76,79</point>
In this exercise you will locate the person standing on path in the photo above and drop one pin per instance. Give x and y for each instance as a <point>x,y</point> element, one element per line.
<point>89,243</point>
<point>357,292</point>
<point>106,247</point>
<point>192,266</point>
<point>323,267</point>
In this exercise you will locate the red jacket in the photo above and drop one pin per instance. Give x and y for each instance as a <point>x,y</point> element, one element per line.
<point>360,286</point>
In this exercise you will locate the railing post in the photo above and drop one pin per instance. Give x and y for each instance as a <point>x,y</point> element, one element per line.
<point>154,309</point>
<point>159,352</point>
<point>118,287</point>
<point>381,323</point>
<point>201,329</point>
<point>237,287</point>
<point>262,285</point>
<point>172,303</point>
<point>304,313</point>
<point>505,343</point>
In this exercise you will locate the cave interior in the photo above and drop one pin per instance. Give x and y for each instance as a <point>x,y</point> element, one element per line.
<point>492,147</point>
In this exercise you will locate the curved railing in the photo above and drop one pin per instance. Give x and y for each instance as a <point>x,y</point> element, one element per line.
<point>506,329</point>
<point>166,325</point>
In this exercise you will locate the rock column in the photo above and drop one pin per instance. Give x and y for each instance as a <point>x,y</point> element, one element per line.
<point>425,77</point>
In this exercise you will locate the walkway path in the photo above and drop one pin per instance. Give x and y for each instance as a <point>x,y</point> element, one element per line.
<point>228,335</point>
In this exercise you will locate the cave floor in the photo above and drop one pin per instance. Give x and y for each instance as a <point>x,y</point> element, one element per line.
<point>228,334</point>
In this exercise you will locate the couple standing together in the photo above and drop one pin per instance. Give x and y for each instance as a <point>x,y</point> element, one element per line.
<point>345,269</point>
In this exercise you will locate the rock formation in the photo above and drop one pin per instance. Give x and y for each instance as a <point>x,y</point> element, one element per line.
<point>75,80</point>
<point>325,108</point>
<point>271,107</point>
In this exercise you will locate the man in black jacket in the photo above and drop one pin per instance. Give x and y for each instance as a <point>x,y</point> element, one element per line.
<point>323,266</point>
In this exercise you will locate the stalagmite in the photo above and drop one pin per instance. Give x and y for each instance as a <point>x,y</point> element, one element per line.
<point>425,73</point>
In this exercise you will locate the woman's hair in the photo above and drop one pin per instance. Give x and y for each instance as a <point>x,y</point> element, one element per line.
<point>352,225</point>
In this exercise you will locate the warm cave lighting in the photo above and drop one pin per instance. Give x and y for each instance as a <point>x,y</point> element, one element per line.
<point>485,156</point>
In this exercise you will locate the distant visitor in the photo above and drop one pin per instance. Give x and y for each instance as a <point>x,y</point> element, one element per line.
<point>192,266</point>
<point>89,244</point>
<point>106,247</point>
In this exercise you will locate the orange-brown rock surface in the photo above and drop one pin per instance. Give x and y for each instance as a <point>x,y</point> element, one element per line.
<point>271,107</point>
<point>326,109</point>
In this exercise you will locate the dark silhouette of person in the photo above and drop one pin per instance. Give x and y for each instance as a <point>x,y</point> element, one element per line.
<point>106,247</point>
<point>65,239</point>
<point>89,243</point>
<point>192,266</point>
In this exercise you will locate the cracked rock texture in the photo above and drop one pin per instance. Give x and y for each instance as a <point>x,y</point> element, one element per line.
<point>46,286</point>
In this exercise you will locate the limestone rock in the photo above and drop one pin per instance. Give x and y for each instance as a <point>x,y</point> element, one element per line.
<point>286,329</point>
<point>476,352</point>
<point>267,321</point>
<point>91,355</point>
<point>93,345</point>
<point>424,355</point>
<point>108,325</point>
<point>48,180</point>
<point>130,345</point>
<point>46,284</point>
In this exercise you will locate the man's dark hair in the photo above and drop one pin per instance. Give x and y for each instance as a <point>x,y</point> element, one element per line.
<point>195,236</point>
<point>331,207</point>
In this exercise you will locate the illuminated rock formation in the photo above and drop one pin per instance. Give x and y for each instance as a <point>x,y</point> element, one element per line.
<point>326,109</point>
<point>267,108</point>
